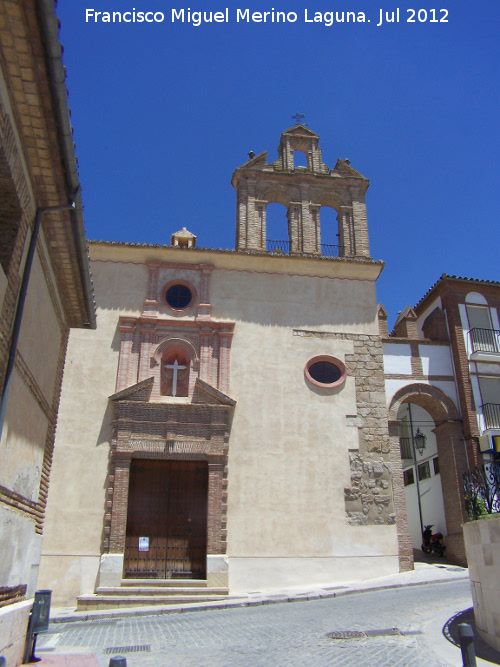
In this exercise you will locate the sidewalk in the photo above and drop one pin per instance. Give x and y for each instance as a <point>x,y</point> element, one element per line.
<point>424,573</point>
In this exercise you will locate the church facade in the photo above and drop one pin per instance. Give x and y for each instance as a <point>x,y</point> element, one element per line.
<point>226,423</point>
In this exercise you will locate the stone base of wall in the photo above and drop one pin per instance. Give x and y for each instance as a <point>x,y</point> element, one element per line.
<point>482,542</point>
<point>217,571</point>
<point>455,549</point>
<point>111,570</point>
<point>13,629</point>
<point>258,574</point>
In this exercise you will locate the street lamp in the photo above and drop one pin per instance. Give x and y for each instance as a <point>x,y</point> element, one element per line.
<point>419,439</point>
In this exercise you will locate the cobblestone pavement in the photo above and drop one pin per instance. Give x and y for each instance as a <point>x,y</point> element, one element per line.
<point>281,635</point>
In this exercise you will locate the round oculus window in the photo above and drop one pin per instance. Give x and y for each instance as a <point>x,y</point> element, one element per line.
<point>325,371</point>
<point>178,296</point>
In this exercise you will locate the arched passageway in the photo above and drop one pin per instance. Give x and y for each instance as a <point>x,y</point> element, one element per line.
<point>445,432</point>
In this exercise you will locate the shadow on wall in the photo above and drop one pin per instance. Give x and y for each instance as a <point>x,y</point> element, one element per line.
<point>106,426</point>
<point>264,298</point>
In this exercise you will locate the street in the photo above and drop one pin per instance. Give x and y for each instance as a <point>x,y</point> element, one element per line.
<point>283,634</point>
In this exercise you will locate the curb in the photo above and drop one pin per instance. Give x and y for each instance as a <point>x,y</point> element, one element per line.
<point>240,602</point>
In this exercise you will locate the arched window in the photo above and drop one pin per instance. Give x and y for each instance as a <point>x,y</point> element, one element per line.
<point>175,367</point>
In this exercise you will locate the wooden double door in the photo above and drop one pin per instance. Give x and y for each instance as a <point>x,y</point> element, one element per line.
<point>166,535</point>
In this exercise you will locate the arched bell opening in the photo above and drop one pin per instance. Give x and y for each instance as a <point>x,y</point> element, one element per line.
<point>277,233</point>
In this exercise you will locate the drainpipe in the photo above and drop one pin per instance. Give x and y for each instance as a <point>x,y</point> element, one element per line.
<point>20,305</point>
<point>416,470</point>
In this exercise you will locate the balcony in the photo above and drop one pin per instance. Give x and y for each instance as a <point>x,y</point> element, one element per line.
<point>283,248</point>
<point>484,343</point>
<point>491,414</point>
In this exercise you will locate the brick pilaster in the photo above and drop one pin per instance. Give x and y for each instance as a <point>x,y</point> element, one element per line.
<point>404,539</point>
<point>127,331</point>
<point>146,334</point>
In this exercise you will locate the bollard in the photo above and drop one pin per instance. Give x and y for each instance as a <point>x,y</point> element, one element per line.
<point>118,661</point>
<point>39,622</point>
<point>466,638</point>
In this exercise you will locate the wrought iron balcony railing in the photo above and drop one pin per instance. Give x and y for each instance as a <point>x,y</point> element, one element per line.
<point>278,246</point>
<point>327,249</point>
<point>491,414</point>
<point>485,340</point>
<point>406,448</point>
<point>482,490</point>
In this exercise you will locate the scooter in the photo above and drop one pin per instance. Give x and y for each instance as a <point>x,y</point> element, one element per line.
<point>432,543</point>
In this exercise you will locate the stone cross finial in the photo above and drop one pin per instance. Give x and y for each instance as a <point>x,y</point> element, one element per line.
<point>298,118</point>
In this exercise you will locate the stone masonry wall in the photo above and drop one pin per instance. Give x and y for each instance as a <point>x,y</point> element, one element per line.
<point>376,494</point>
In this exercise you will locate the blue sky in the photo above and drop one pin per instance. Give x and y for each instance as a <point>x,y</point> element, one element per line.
<point>164,112</point>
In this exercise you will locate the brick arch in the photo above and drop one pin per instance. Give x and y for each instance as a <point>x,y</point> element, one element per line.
<point>182,343</point>
<point>329,200</point>
<point>451,452</point>
<point>300,144</point>
<point>440,407</point>
<point>280,195</point>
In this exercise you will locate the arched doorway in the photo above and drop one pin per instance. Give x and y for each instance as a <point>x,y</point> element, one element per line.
<point>421,472</point>
<point>446,427</point>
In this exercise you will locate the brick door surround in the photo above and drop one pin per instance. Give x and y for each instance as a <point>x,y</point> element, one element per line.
<point>145,430</point>
<point>451,452</point>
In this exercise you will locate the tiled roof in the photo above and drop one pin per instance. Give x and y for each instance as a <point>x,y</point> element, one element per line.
<point>446,276</point>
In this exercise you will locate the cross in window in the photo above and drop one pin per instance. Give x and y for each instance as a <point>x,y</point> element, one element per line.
<point>175,367</point>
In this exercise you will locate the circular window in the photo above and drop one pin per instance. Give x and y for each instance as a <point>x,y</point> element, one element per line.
<point>325,372</point>
<point>178,296</point>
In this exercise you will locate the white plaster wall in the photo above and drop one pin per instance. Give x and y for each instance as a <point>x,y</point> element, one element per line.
<point>21,548</point>
<point>436,359</point>
<point>323,303</point>
<point>76,502</point>
<point>449,388</point>
<point>256,574</point>
<point>487,369</point>
<point>288,455</point>
<point>392,386</point>
<point>23,441</point>
<point>397,359</point>
<point>69,576</point>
